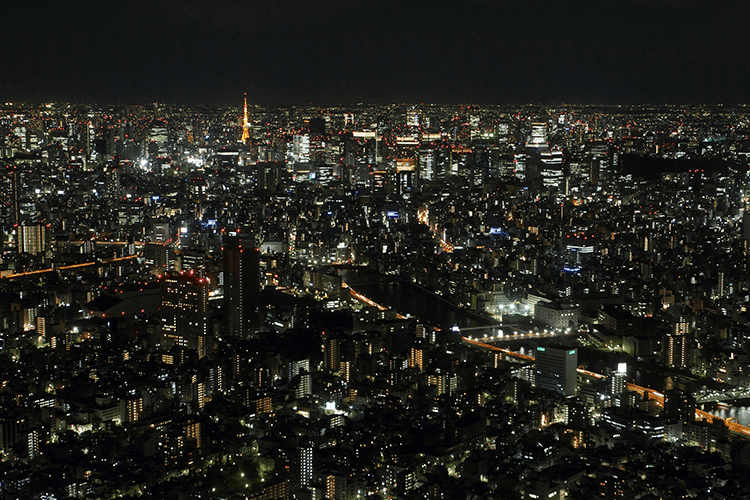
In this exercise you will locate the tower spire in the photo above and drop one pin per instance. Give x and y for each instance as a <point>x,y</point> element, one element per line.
<point>245,127</point>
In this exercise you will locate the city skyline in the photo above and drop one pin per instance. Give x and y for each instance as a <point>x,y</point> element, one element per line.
<point>350,250</point>
<point>367,302</point>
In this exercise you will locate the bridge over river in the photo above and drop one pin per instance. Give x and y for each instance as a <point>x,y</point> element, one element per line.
<point>646,392</point>
<point>715,396</point>
<point>506,333</point>
<point>407,298</point>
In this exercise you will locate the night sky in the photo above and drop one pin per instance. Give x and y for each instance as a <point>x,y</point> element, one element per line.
<point>377,51</point>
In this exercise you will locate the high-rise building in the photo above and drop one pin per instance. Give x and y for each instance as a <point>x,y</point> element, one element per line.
<point>217,380</point>
<point>617,381</point>
<point>34,239</point>
<point>301,148</point>
<point>416,357</point>
<point>676,345</point>
<point>11,427</point>
<point>555,369</point>
<point>297,367</point>
<point>336,487</point>
<point>332,359</point>
<point>519,165</point>
<point>679,405</point>
<point>270,174</point>
<point>406,174</point>
<point>305,466</point>
<point>304,386</point>
<point>160,256</point>
<point>325,174</point>
<point>241,287</point>
<point>41,328</point>
<point>131,409</point>
<point>184,309</point>
<point>681,327</point>
<point>301,369</point>
<point>194,430</point>
<point>160,232</point>
<point>345,368</point>
<point>474,123</point>
<point>193,260</point>
<point>112,182</point>
<point>426,163</point>
<point>745,233</point>
<point>538,136</point>
<point>616,384</point>
<point>200,393</point>
<point>12,196</point>
<point>675,350</point>
<point>552,168</point>
<point>412,118</point>
<point>32,443</point>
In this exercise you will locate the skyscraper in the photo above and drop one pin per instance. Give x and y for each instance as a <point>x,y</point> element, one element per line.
<point>679,404</point>
<point>184,310</point>
<point>676,345</point>
<point>241,287</point>
<point>538,136</point>
<point>555,369</point>
<point>13,194</point>
<point>113,182</point>
<point>305,466</point>
<point>552,168</point>
<point>745,232</point>
<point>332,359</point>
<point>675,351</point>
<point>270,174</point>
<point>34,239</point>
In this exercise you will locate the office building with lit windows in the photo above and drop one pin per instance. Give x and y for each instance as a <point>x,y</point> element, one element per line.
<point>34,239</point>
<point>676,345</point>
<point>184,309</point>
<point>555,369</point>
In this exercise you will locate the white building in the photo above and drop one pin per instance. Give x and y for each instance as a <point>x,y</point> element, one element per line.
<point>556,315</point>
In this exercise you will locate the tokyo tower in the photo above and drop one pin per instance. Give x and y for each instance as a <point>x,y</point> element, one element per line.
<point>245,128</point>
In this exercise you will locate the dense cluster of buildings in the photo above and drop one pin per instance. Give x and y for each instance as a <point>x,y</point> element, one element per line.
<point>403,301</point>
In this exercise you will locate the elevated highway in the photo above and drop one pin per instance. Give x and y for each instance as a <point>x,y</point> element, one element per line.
<point>67,268</point>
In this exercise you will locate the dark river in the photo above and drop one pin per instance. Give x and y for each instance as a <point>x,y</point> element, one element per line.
<point>406,298</point>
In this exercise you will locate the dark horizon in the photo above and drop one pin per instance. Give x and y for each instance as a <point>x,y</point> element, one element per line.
<point>511,52</point>
<point>238,103</point>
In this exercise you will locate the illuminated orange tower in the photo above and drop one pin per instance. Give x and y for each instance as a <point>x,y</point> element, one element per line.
<point>245,128</point>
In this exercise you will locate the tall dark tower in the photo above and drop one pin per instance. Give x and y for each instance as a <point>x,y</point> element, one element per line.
<point>13,184</point>
<point>745,234</point>
<point>241,288</point>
